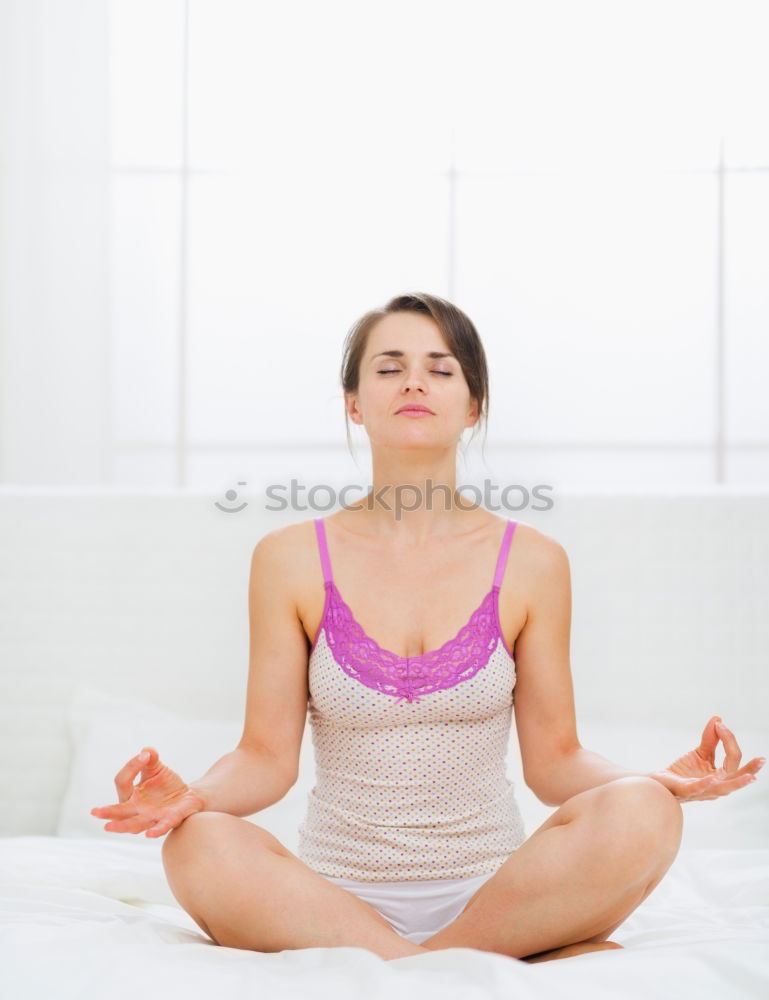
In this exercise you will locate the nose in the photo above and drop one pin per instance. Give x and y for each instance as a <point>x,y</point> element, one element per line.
<point>414,381</point>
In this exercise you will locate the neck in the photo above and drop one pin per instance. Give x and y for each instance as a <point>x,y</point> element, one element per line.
<point>414,496</point>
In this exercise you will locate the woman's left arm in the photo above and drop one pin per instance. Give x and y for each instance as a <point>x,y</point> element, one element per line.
<point>555,764</point>
<point>692,776</point>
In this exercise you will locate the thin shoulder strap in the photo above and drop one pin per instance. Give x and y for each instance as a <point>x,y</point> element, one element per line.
<point>505,548</point>
<point>320,531</point>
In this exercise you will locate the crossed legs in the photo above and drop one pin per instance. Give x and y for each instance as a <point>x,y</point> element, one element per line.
<point>578,876</point>
<point>575,879</point>
<point>246,890</point>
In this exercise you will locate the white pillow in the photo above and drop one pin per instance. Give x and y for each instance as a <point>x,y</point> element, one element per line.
<point>106,731</point>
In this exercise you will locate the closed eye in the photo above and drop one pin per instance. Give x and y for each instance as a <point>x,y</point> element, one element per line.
<point>394,371</point>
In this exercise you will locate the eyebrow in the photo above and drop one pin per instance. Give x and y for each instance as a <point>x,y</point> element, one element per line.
<point>400,354</point>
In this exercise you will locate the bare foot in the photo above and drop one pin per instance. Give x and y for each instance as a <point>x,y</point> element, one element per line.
<point>578,948</point>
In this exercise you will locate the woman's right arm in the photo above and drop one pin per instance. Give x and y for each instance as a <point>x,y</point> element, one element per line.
<point>242,782</point>
<point>265,764</point>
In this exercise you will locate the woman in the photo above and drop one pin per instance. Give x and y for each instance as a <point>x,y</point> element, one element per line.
<point>412,840</point>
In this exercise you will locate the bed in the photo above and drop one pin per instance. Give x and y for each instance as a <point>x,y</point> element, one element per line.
<point>114,609</point>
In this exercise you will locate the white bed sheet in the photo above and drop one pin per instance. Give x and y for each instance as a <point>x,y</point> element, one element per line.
<point>82,917</point>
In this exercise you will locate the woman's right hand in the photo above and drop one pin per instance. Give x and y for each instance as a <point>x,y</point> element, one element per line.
<point>160,802</point>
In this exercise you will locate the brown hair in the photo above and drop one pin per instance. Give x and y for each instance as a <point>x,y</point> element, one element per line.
<point>457,329</point>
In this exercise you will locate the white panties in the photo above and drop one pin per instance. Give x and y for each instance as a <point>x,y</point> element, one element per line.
<point>416,909</point>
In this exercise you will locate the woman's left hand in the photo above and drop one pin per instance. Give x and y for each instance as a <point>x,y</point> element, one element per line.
<point>695,775</point>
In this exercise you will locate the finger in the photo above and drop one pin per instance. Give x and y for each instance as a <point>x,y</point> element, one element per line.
<point>134,825</point>
<point>162,826</point>
<point>124,779</point>
<point>699,789</point>
<point>711,785</point>
<point>122,810</point>
<point>752,767</point>
<point>709,740</point>
<point>724,786</point>
<point>733,752</point>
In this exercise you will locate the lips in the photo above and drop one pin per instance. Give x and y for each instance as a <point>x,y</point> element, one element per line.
<point>414,409</point>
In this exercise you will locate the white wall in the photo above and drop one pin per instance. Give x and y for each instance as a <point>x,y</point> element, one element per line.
<point>198,197</point>
<point>55,379</point>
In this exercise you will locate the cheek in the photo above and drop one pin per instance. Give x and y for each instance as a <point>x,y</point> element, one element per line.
<point>380,395</point>
<point>375,398</point>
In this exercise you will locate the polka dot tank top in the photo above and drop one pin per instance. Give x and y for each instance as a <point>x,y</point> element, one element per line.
<point>410,752</point>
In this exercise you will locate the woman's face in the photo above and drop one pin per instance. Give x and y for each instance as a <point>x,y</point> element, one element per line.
<point>389,381</point>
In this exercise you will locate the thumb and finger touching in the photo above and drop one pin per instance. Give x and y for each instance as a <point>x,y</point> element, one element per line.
<point>156,804</point>
<point>695,773</point>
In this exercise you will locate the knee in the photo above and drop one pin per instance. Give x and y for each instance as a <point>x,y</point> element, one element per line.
<point>643,817</point>
<point>192,832</point>
<point>210,830</point>
<point>199,822</point>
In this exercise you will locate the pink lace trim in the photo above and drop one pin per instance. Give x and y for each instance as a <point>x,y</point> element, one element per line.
<point>455,661</point>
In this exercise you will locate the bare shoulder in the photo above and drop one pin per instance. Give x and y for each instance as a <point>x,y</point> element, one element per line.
<point>287,539</point>
<point>286,547</point>
<point>542,549</point>
<point>543,563</point>
<point>287,556</point>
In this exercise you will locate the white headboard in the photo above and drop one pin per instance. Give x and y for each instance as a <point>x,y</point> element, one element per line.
<point>146,593</point>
